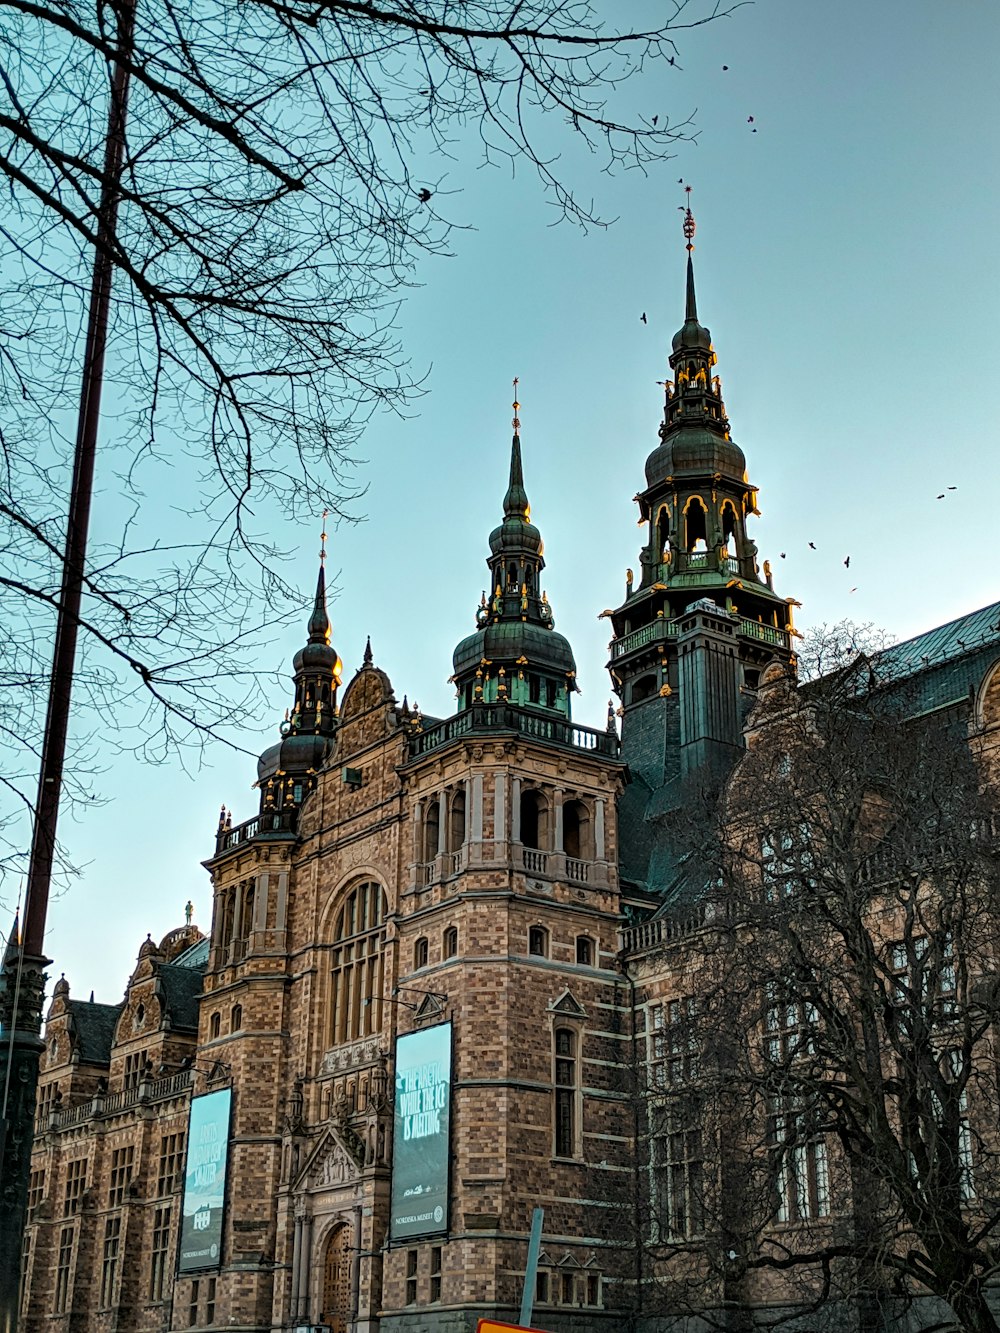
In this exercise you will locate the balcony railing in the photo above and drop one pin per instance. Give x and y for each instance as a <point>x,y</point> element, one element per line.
<point>505,717</point>
<point>535,862</point>
<point>111,1103</point>
<point>577,870</point>
<point>272,822</point>
<point>658,630</point>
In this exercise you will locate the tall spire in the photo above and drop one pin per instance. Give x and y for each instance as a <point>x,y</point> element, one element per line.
<point>515,502</point>
<point>319,622</point>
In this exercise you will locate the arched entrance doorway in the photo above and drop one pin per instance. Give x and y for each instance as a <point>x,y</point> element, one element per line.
<point>336,1301</point>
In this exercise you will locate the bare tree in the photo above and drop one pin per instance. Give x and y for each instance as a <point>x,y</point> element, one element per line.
<point>819,1088</point>
<point>282,177</point>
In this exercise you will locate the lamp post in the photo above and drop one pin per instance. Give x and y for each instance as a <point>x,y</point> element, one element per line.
<point>22,983</point>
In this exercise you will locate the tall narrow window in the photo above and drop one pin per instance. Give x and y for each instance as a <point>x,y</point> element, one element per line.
<point>193,1305</point>
<point>109,1260</point>
<point>456,821</point>
<point>584,951</point>
<point>577,842</point>
<point>538,941</point>
<point>210,1301</point>
<point>64,1264</point>
<point>159,1250</point>
<point>432,828</point>
<point>358,956</point>
<point>449,943</point>
<point>411,1277</point>
<point>236,1018</point>
<point>168,1175</point>
<point>76,1184</point>
<point>801,1174</point>
<point>421,952</point>
<point>566,1092</point>
<point>435,1291</point>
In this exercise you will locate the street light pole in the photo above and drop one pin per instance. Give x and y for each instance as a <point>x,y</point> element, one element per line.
<point>22,983</point>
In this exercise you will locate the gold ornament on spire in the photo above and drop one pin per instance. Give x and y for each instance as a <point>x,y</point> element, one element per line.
<point>689,223</point>
<point>322,538</point>
<point>516,423</point>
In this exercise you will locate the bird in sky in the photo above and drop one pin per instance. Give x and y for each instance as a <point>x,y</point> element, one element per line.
<point>782,555</point>
<point>643,318</point>
<point>952,488</point>
<point>847,562</point>
<point>424,195</point>
<point>749,120</point>
<point>812,546</point>
<point>941,496</point>
<point>655,119</point>
<point>854,590</point>
<point>724,68</point>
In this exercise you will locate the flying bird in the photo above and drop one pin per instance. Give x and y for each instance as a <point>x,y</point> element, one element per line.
<point>655,119</point>
<point>724,68</point>
<point>782,555</point>
<point>953,488</point>
<point>847,562</point>
<point>749,120</point>
<point>424,195</point>
<point>812,546</point>
<point>643,318</point>
<point>854,590</point>
<point>941,496</point>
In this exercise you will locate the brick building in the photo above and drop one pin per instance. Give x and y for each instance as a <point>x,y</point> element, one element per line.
<point>505,871</point>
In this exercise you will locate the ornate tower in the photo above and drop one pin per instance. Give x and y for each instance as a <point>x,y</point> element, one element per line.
<point>691,638</point>
<point>515,656</point>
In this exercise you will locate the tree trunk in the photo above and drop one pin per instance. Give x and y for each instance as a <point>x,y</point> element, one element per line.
<point>972,1311</point>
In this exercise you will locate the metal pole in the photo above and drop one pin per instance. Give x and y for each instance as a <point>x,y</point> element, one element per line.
<point>21,1022</point>
<point>531,1269</point>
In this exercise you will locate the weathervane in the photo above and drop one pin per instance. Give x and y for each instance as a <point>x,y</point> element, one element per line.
<point>322,538</point>
<point>516,405</point>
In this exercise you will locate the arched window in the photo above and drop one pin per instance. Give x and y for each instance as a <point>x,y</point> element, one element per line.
<point>358,964</point>
<point>584,951</point>
<point>534,820</point>
<point>729,528</point>
<point>449,942</point>
<point>214,1026</point>
<point>538,941</point>
<point>421,952</point>
<point>246,909</point>
<point>577,841</point>
<point>663,532</point>
<point>567,1091</point>
<point>432,828</point>
<point>236,1018</point>
<point>695,529</point>
<point>335,1308</point>
<point>456,821</point>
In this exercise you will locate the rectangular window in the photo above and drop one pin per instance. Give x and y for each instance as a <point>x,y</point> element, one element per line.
<point>566,1294</point>
<point>678,1169</point>
<point>193,1305</point>
<point>787,862</point>
<point>542,1287</point>
<point>76,1184</point>
<point>159,1251</point>
<point>36,1188</point>
<point>411,1277</point>
<point>134,1066</point>
<point>169,1175</point>
<point>593,1289</point>
<point>25,1269</point>
<point>210,1301</point>
<point>801,1171</point>
<point>64,1265</point>
<point>122,1165</point>
<point>435,1272</point>
<point>109,1260</point>
<point>789,1028</point>
<point>566,1090</point>
<point>48,1095</point>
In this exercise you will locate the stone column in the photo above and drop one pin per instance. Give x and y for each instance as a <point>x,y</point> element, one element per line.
<point>599,852</point>
<point>557,820</point>
<point>499,815</point>
<point>515,810</point>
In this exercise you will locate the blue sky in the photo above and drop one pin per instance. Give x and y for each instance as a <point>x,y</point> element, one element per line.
<point>847,265</point>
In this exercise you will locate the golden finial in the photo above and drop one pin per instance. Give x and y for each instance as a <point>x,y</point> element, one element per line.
<point>689,223</point>
<point>322,538</point>
<point>517,406</point>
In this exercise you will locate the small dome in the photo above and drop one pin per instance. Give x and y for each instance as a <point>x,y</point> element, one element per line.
<point>516,534</point>
<point>692,336</point>
<point>503,643</point>
<point>695,450</point>
<point>293,754</point>
<point>319,656</point>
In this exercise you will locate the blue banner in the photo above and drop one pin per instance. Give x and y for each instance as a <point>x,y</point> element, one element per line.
<point>205,1182</point>
<point>420,1137</point>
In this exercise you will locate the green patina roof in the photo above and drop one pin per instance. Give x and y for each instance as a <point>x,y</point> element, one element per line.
<point>507,640</point>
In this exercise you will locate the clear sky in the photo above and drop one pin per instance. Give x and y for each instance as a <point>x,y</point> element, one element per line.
<point>847,260</point>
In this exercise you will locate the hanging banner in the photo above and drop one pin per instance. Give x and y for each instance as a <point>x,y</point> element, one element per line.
<point>420,1136</point>
<point>205,1182</point>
